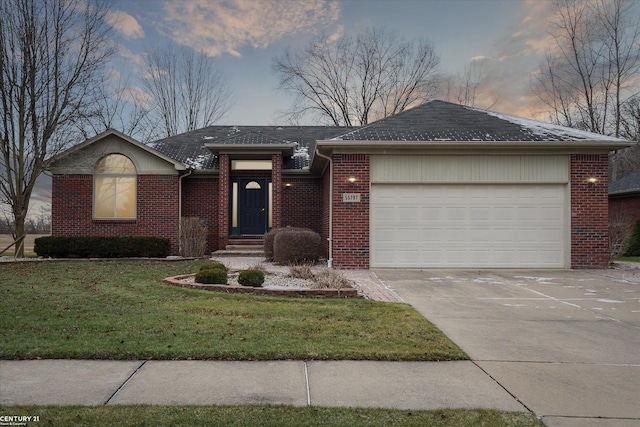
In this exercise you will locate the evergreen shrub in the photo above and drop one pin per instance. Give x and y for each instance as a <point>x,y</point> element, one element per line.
<point>253,278</point>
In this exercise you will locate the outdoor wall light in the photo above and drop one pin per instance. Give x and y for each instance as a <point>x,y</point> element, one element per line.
<point>352,179</point>
<point>288,185</point>
<point>592,182</point>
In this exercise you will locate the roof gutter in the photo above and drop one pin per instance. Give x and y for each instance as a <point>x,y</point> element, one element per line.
<point>570,146</point>
<point>330,238</point>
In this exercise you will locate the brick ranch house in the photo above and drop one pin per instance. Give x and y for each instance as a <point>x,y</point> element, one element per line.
<point>439,185</point>
<point>624,196</point>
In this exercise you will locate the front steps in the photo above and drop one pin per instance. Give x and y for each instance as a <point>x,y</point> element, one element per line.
<point>244,246</point>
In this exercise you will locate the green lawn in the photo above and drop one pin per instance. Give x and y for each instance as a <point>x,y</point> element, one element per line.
<point>121,310</point>
<point>628,258</point>
<point>251,416</point>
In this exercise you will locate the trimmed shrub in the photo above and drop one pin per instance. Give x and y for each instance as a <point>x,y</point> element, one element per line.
<point>212,276</point>
<point>269,238</point>
<point>253,278</point>
<point>102,247</point>
<point>296,246</point>
<point>214,265</point>
<point>634,241</point>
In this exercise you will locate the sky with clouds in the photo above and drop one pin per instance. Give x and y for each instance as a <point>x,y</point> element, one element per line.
<point>508,38</point>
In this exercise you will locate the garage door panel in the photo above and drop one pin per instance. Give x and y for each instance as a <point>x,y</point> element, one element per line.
<point>467,225</point>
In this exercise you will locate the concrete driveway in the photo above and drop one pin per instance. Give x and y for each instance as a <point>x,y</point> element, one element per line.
<point>565,343</point>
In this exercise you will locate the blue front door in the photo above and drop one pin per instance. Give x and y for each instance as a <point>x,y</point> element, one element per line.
<point>252,206</point>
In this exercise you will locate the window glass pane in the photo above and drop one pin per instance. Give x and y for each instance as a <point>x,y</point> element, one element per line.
<point>234,206</point>
<point>116,164</point>
<point>252,186</point>
<point>126,198</point>
<point>270,205</point>
<point>242,165</point>
<point>115,187</point>
<point>104,196</point>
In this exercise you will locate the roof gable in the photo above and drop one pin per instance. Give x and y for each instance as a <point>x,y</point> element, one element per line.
<point>82,157</point>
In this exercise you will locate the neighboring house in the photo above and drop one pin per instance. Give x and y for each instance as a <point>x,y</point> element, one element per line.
<point>440,185</point>
<point>624,195</point>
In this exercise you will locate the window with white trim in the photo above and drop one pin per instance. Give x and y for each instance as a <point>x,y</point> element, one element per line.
<point>114,188</point>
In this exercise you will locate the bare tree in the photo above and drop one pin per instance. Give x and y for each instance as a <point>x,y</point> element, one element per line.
<point>354,80</point>
<point>630,118</point>
<point>118,106</point>
<point>467,88</point>
<point>51,58</point>
<point>593,65</point>
<point>186,89</point>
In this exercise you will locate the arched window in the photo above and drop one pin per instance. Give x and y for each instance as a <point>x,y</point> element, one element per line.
<point>252,185</point>
<point>114,191</point>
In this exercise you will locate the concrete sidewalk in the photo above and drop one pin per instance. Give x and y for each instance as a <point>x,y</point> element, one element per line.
<point>404,385</point>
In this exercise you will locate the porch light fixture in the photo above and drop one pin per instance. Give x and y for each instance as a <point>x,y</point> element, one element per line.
<point>592,182</point>
<point>288,184</point>
<point>352,179</point>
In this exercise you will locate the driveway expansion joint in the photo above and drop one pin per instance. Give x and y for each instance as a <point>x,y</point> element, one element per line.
<point>123,385</point>
<point>504,388</point>
<point>306,380</point>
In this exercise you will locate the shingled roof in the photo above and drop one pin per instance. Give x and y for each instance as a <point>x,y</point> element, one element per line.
<point>434,121</point>
<point>444,121</point>
<point>189,148</point>
<point>626,185</point>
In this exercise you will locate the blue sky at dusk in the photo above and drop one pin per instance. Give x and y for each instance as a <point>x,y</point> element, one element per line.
<point>508,36</point>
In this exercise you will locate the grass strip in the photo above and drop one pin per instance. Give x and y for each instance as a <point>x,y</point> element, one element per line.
<point>120,310</point>
<point>252,415</point>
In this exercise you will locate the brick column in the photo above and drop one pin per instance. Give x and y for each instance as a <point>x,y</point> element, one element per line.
<point>276,184</point>
<point>350,219</point>
<point>223,201</point>
<point>589,211</point>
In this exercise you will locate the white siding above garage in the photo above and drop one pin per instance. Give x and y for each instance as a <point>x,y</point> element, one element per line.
<point>469,169</point>
<point>494,212</point>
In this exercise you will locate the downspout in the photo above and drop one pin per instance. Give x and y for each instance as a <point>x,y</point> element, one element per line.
<point>189,172</point>
<point>330,239</point>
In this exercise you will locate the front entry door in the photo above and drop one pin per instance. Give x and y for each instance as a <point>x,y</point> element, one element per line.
<point>252,206</point>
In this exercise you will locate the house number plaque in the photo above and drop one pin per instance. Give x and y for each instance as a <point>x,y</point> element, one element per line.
<point>351,197</point>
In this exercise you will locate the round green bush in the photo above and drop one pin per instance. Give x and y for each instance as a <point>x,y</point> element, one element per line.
<point>214,265</point>
<point>212,276</point>
<point>253,278</point>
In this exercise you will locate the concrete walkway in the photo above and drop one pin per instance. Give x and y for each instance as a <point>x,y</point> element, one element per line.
<point>405,385</point>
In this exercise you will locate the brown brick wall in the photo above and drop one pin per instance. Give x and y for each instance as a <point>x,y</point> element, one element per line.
<point>302,203</point>
<point>589,211</point>
<point>223,200</point>
<point>351,220</point>
<point>627,205</point>
<point>276,181</point>
<point>157,209</point>
<point>200,199</point>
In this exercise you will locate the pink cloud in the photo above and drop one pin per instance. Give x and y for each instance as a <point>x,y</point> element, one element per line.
<point>226,27</point>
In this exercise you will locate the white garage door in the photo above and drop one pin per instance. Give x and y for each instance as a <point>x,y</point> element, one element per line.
<point>468,225</point>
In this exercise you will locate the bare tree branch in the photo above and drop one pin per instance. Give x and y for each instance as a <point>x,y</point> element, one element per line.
<point>187,91</point>
<point>593,65</point>
<point>353,81</point>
